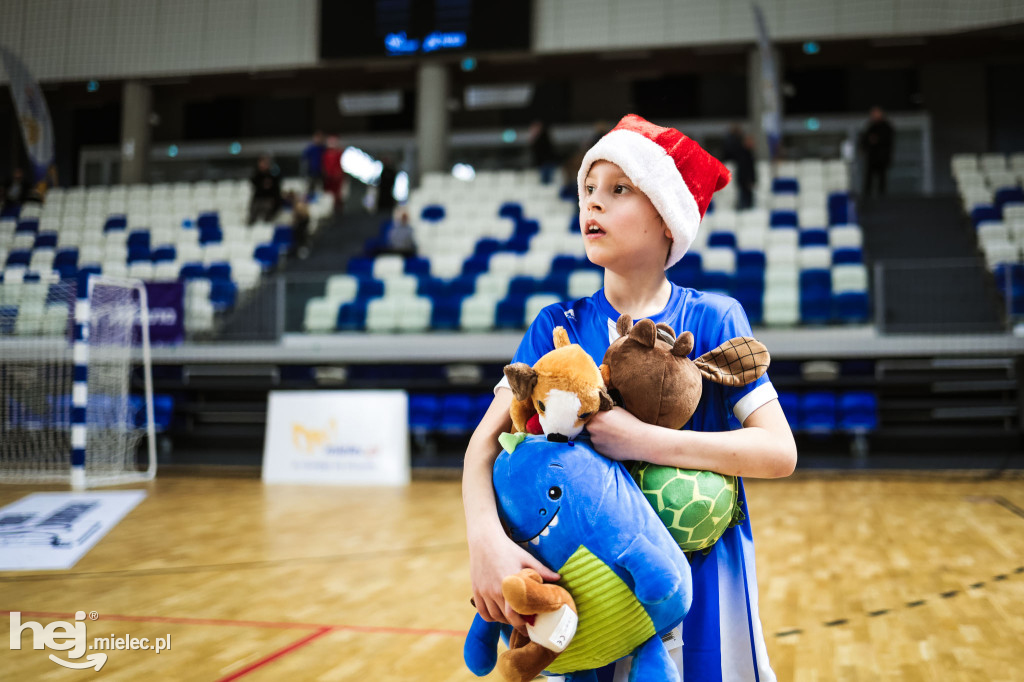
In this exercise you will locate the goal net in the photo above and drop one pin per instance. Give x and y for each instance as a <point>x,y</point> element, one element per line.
<point>67,356</point>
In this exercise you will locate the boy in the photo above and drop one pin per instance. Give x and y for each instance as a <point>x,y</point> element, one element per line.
<point>643,190</point>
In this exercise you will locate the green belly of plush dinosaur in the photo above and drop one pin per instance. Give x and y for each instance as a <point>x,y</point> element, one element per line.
<point>612,622</point>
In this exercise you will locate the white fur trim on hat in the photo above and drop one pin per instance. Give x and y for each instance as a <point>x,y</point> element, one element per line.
<point>654,172</point>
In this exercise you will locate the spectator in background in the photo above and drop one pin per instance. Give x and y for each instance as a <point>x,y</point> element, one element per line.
<point>876,143</point>
<point>334,176</point>
<point>312,159</point>
<point>739,149</point>
<point>386,186</point>
<point>542,151</point>
<point>16,191</point>
<point>300,227</point>
<point>266,192</point>
<point>400,237</point>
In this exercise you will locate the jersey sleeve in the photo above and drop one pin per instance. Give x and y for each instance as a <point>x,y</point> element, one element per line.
<point>536,342</point>
<point>742,401</point>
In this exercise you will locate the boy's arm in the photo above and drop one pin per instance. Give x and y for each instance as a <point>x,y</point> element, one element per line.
<point>492,555</point>
<point>763,448</point>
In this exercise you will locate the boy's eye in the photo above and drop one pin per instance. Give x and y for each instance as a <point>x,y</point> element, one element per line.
<point>589,189</point>
<point>619,189</point>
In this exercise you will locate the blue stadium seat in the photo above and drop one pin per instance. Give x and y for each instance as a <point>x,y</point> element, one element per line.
<point>522,287</point>
<point>360,266</point>
<point>45,240</point>
<point>838,208</point>
<point>266,255</point>
<point>207,220</point>
<point>19,257</point>
<point>28,225</point>
<point>138,238</point>
<point>847,254</point>
<point>563,264</point>
<point>555,283</point>
<point>813,238</point>
<point>139,253</point>
<point>165,253</point>
<point>785,186</point>
<point>420,267</point>
<point>852,307</point>
<point>369,288</point>
<point>223,293</point>
<point>458,410</point>
<point>191,271</point>
<point>8,316</point>
<point>815,296</point>
<point>982,213</point>
<point>517,244</point>
<point>818,412</point>
<point>858,411</point>
<point>220,270</point>
<point>462,286</point>
<point>474,265</point>
<point>115,222</point>
<point>432,213</point>
<point>717,281</point>
<point>511,209</point>
<point>722,239</point>
<point>750,259</point>
<point>211,234</point>
<point>569,192</point>
<point>483,403</point>
<point>687,272</point>
<point>431,287</point>
<point>1009,277</point>
<point>510,312</point>
<point>781,218</point>
<point>424,411</point>
<point>445,312</point>
<point>66,262</point>
<point>1008,195</point>
<point>752,300</point>
<point>10,210</point>
<point>485,247</point>
<point>282,237</point>
<point>749,276</point>
<point>352,316</point>
<point>790,404</point>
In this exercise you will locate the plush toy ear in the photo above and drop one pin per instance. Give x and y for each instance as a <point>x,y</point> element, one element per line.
<point>605,401</point>
<point>624,324</point>
<point>561,337</point>
<point>643,332</point>
<point>736,362</point>
<point>522,378</point>
<point>666,333</point>
<point>683,345</point>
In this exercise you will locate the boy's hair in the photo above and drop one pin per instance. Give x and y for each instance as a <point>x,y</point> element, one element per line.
<point>675,173</point>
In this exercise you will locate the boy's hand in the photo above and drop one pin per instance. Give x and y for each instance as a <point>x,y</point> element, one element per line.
<point>619,435</point>
<point>491,559</point>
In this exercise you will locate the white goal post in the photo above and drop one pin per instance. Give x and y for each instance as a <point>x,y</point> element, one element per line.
<point>67,353</point>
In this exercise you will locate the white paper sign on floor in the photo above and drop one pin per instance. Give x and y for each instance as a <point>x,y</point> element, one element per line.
<point>52,531</point>
<point>337,437</point>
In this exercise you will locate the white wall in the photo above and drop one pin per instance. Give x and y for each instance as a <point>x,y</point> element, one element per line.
<point>572,25</point>
<point>67,40</point>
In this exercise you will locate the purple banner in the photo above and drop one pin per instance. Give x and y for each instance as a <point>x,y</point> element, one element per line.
<point>166,313</point>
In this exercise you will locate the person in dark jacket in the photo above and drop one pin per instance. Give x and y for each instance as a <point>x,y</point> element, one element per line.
<point>876,143</point>
<point>739,149</point>
<point>266,192</point>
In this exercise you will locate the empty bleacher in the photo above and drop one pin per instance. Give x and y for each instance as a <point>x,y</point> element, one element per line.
<point>495,250</point>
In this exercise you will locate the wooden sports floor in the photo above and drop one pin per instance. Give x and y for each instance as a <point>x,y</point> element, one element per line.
<point>862,577</point>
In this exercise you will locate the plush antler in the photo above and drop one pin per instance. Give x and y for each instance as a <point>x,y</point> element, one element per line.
<point>736,362</point>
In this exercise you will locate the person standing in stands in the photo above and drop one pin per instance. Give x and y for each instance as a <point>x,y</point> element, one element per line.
<point>266,192</point>
<point>16,191</point>
<point>876,143</point>
<point>542,151</point>
<point>312,159</point>
<point>386,186</point>
<point>334,176</point>
<point>739,149</point>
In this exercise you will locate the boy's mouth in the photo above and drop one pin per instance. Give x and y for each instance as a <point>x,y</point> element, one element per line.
<point>592,228</point>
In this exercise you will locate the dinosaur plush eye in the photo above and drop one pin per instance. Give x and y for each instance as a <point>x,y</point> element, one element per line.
<point>586,415</point>
<point>554,492</point>
<point>540,406</point>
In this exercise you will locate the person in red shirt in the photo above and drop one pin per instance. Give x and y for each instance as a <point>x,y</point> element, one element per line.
<point>334,176</point>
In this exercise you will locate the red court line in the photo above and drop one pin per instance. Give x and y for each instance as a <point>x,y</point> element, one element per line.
<point>251,623</point>
<point>276,655</point>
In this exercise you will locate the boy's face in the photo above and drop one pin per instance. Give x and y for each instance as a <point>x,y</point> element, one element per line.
<point>622,230</point>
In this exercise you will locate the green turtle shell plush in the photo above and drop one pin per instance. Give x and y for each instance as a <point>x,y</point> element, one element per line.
<point>648,371</point>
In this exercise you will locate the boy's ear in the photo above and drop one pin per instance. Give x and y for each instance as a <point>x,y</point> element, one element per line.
<point>522,378</point>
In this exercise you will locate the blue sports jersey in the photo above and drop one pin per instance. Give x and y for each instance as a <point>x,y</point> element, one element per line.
<point>722,636</point>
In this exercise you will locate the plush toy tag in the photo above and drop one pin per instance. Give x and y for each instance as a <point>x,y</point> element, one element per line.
<point>554,630</point>
<point>510,441</point>
<point>673,639</point>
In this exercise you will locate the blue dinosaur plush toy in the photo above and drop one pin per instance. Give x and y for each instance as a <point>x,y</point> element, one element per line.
<point>583,516</point>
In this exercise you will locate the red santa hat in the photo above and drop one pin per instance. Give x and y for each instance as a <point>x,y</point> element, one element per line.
<point>675,173</point>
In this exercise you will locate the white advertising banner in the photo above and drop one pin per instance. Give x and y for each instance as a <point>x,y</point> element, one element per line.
<point>337,438</point>
<point>52,531</point>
